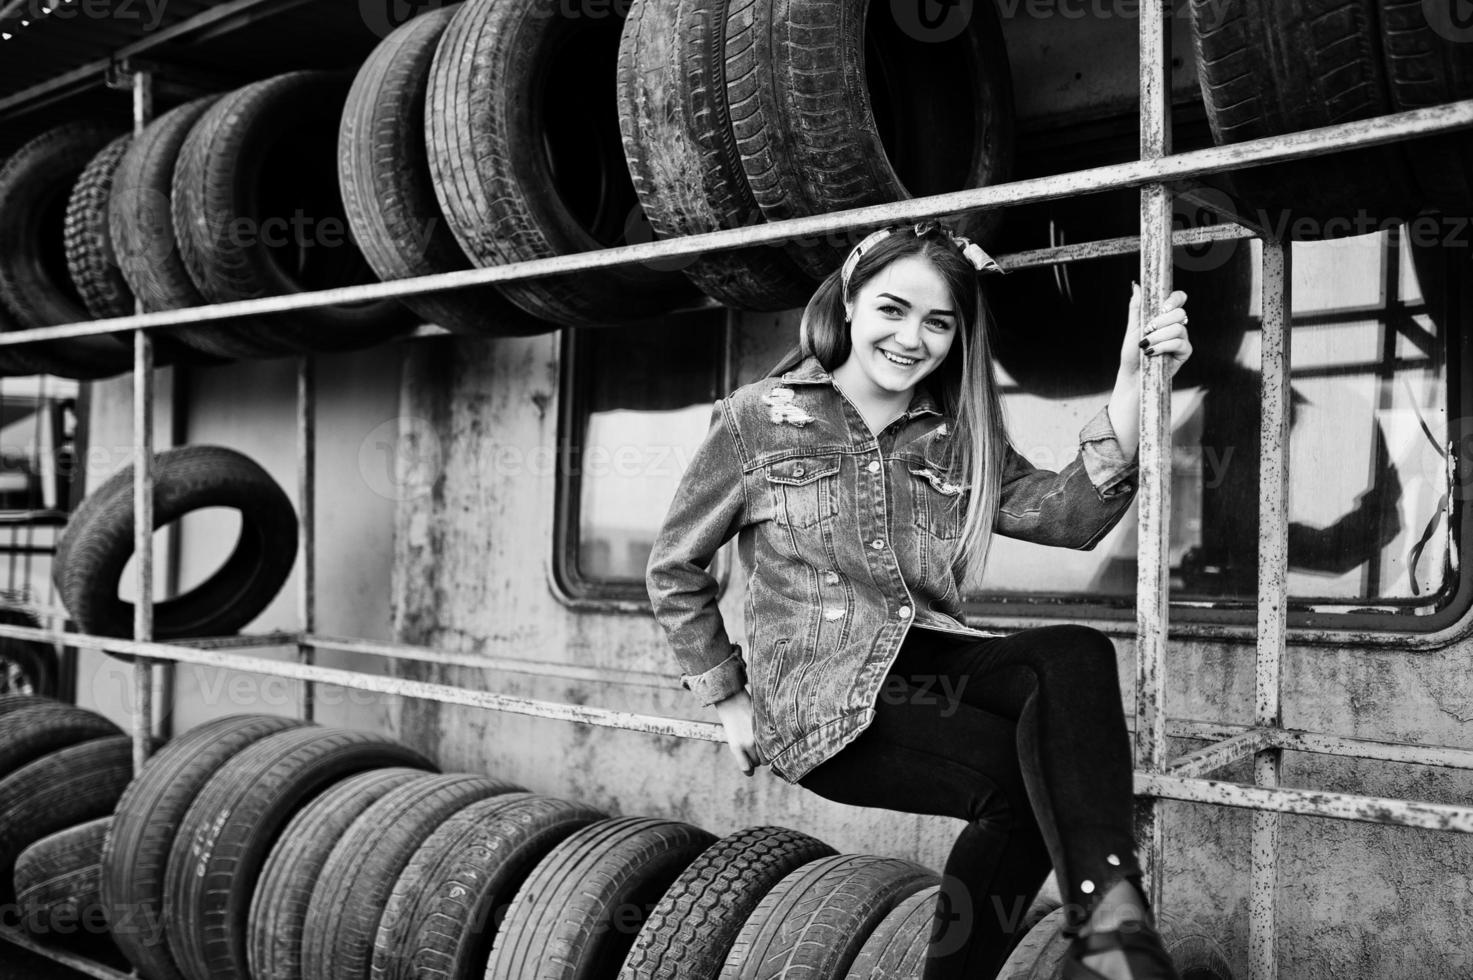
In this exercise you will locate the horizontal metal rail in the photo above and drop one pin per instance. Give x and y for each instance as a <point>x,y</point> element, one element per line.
<point>1195,163</point>
<point>1172,785</point>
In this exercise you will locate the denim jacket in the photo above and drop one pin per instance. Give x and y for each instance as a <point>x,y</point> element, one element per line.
<point>843,537</point>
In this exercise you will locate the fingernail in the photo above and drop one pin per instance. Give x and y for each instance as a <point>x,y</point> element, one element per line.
<point>1151,351</point>
<point>1145,344</point>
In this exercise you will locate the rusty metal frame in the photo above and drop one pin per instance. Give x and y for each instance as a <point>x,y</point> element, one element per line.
<point>1158,174</point>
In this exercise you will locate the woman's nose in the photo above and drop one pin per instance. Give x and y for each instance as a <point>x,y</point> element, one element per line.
<point>908,333</point>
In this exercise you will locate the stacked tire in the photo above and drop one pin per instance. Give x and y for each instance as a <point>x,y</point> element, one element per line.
<point>1269,68</point>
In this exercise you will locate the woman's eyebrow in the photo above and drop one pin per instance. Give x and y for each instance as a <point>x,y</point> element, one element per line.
<point>906,303</point>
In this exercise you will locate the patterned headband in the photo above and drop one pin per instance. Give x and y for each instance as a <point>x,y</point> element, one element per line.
<point>970,250</point>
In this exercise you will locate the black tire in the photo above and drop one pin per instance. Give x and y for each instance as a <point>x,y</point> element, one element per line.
<point>576,916</point>
<point>384,173</point>
<point>348,901</point>
<point>95,549</point>
<point>817,134</point>
<point>232,825</point>
<point>682,154</point>
<point>691,930</point>
<point>35,185</point>
<point>141,226</point>
<point>26,666</point>
<point>28,733</point>
<point>57,880</point>
<point>816,920</point>
<point>898,945</point>
<point>69,786</point>
<point>15,701</point>
<point>527,166</point>
<point>279,903</point>
<point>146,822</point>
<point>1041,954</point>
<point>13,358</point>
<point>89,249</point>
<point>443,913</point>
<point>263,155</point>
<point>1268,68</point>
<point>1427,68</point>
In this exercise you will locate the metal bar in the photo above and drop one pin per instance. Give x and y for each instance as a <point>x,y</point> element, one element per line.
<point>1152,582</point>
<point>537,668</point>
<point>401,686</point>
<point>1273,592</point>
<point>144,674</point>
<point>1446,756</point>
<point>307,522</point>
<point>1344,136</point>
<point>1213,757</point>
<point>96,71</point>
<point>1309,803</point>
<point>79,963</point>
<point>1105,247</point>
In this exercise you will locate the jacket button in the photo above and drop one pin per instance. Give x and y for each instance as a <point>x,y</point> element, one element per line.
<point>877,543</point>
<point>904,612</point>
<point>798,471</point>
<point>874,466</point>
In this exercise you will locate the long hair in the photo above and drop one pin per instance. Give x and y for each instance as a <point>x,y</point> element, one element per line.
<point>964,384</point>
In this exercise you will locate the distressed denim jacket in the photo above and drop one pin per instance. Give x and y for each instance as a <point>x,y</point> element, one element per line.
<point>844,539</point>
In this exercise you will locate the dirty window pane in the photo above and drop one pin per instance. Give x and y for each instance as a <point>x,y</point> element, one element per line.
<point>641,406</point>
<point>39,432</point>
<point>1369,440</point>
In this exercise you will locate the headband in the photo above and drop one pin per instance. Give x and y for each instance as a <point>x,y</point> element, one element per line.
<point>970,250</point>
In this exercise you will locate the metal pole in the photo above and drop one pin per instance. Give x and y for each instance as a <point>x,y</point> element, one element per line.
<point>1273,590</point>
<point>1155,442</point>
<point>306,525</point>
<point>143,669</point>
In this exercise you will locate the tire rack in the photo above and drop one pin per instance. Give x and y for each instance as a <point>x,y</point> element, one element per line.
<point>1159,175</point>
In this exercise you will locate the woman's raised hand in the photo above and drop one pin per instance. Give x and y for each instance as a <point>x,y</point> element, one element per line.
<point>1166,334</point>
<point>737,715</point>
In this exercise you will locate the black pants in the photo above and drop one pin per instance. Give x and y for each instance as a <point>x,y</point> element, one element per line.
<point>1023,737</point>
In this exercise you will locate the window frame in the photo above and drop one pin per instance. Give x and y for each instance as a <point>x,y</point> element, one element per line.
<point>1369,622</point>
<point>568,584</point>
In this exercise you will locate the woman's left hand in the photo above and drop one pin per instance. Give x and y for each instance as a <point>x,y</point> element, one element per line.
<point>1165,335</point>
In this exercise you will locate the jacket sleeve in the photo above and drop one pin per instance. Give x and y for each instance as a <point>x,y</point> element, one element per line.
<point>1077,506</point>
<point>708,509</point>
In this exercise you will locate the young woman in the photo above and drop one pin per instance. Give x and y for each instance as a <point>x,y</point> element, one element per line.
<point>863,478</point>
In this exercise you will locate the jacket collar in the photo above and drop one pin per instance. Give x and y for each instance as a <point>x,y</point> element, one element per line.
<point>810,371</point>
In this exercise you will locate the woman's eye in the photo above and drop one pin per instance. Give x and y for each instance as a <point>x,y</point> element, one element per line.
<point>890,309</point>
<point>940,324</point>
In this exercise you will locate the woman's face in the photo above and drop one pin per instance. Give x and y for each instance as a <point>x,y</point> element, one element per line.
<point>905,310</point>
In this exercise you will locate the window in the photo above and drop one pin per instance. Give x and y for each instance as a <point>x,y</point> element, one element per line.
<point>38,461</point>
<point>1375,395</point>
<point>636,402</point>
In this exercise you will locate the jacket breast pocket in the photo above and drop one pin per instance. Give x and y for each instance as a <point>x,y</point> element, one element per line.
<point>805,490</point>
<point>937,504</point>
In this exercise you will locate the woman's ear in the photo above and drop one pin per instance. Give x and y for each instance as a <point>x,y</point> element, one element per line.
<point>849,311</point>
